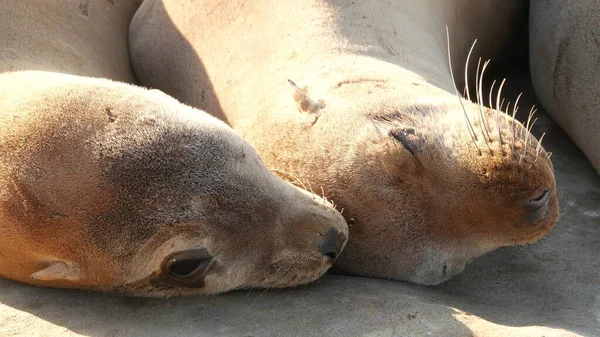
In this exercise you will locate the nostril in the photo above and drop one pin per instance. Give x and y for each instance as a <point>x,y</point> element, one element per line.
<point>535,209</point>
<point>331,255</point>
<point>331,245</point>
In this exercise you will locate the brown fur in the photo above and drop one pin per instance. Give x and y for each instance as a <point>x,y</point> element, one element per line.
<point>377,123</point>
<point>103,185</point>
<point>101,181</point>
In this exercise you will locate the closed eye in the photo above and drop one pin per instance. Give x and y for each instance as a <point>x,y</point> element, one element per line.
<point>541,198</point>
<point>402,137</point>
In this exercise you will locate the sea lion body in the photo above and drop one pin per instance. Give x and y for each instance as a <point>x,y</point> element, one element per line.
<point>374,119</point>
<point>107,186</point>
<point>564,42</point>
<point>102,184</point>
<point>79,37</point>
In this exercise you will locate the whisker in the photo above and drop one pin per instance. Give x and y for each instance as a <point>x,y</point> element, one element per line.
<point>309,186</point>
<point>466,65</point>
<point>485,127</point>
<point>531,112</point>
<point>471,130</point>
<point>498,104</point>
<point>515,109</point>
<point>479,99</point>
<point>499,108</point>
<point>491,105</point>
<point>538,147</point>
<point>516,106</point>
<point>291,175</point>
<point>323,194</point>
<point>477,81</point>
<point>490,95</point>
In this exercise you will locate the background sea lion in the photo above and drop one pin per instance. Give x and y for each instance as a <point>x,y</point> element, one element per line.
<point>564,39</point>
<point>79,37</point>
<point>111,187</point>
<point>429,181</point>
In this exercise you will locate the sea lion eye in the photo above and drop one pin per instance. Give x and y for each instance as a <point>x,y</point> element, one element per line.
<point>541,198</point>
<point>535,209</point>
<point>402,137</point>
<point>189,263</point>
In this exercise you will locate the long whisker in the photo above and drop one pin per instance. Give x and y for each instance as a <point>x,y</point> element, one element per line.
<point>477,81</point>
<point>490,95</point>
<point>466,65</point>
<point>491,105</point>
<point>498,105</point>
<point>531,112</point>
<point>481,112</point>
<point>515,109</point>
<point>498,109</point>
<point>479,99</point>
<point>538,147</point>
<point>471,130</point>
<point>516,106</point>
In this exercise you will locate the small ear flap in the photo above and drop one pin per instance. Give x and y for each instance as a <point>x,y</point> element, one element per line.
<point>303,101</point>
<point>381,128</point>
<point>58,270</point>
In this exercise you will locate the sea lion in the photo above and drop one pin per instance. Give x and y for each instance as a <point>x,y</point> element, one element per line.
<point>427,180</point>
<point>111,187</point>
<point>564,44</point>
<point>79,37</point>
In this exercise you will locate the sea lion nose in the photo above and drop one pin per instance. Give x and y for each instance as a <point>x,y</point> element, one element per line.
<point>535,209</point>
<point>332,245</point>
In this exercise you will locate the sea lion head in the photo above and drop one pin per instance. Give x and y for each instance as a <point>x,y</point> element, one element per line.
<point>428,181</point>
<point>436,183</point>
<point>117,188</point>
<point>228,225</point>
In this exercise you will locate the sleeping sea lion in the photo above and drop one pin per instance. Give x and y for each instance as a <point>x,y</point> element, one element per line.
<point>111,187</point>
<point>427,180</point>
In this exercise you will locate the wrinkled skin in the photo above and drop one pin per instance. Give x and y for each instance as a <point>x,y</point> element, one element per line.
<point>374,120</point>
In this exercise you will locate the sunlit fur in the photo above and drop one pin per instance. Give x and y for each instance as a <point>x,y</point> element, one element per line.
<point>427,181</point>
<point>106,180</point>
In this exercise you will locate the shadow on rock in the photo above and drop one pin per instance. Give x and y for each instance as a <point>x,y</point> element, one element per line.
<point>334,306</point>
